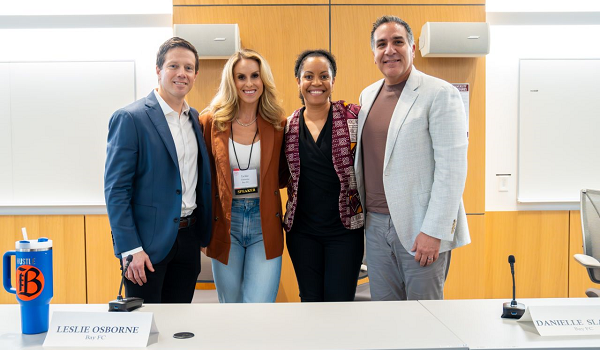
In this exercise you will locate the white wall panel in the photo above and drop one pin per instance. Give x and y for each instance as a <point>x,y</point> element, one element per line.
<point>509,44</point>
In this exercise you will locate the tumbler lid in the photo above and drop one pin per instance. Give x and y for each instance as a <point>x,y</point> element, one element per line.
<point>40,243</point>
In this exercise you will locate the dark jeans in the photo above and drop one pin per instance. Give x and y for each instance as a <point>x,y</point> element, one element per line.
<point>326,267</point>
<point>174,278</point>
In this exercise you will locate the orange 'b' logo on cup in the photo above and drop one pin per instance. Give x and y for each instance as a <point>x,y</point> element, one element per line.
<point>30,282</point>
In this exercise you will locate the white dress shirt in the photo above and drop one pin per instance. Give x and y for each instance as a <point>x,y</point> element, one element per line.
<point>186,146</point>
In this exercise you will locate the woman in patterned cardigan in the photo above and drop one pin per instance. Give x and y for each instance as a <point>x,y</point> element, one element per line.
<point>324,218</point>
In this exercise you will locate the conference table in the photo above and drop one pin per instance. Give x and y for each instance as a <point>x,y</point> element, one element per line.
<point>280,326</point>
<point>446,324</point>
<point>478,324</point>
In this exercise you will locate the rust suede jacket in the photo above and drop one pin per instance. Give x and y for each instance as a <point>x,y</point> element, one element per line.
<point>222,188</point>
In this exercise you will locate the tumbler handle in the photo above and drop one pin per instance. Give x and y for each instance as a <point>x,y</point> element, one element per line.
<point>6,271</point>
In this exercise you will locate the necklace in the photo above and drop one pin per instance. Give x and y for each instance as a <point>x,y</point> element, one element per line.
<point>237,120</point>
<point>251,147</point>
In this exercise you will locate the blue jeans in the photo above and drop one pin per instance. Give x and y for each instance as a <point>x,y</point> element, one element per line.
<point>248,277</point>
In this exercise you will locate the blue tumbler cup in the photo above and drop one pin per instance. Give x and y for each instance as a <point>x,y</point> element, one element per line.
<point>34,282</point>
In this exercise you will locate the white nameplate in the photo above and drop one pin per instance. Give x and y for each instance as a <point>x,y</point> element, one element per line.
<point>564,320</point>
<point>100,329</point>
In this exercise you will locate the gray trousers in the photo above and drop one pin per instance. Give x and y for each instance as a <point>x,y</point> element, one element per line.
<point>393,272</point>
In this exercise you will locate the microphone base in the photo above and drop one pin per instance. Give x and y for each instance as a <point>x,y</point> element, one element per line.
<point>512,311</point>
<point>125,304</point>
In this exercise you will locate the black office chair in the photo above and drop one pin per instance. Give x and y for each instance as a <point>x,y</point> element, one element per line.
<point>590,228</point>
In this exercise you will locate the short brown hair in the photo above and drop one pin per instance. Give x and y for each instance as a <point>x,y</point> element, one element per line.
<point>171,44</point>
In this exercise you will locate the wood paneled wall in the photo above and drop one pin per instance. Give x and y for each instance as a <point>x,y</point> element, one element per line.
<point>249,2</point>
<point>466,277</point>
<point>326,2</point>
<point>68,252</point>
<point>410,2</point>
<point>540,243</point>
<point>579,280</point>
<point>103,269</point>
<point>280,30</point>
<point>279,33</point>
<point>350,43</point>
<point>543,243</point>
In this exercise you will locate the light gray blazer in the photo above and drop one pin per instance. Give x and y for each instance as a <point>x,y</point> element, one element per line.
<point>425,164</point>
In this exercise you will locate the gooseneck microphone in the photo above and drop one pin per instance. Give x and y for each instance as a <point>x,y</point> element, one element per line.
<point>125,304</point>
<point>512,309</point>
<point>511,261</point>
<point>130,258</point>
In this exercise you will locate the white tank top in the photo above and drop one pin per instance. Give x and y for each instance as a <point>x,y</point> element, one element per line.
<point>243,155</point>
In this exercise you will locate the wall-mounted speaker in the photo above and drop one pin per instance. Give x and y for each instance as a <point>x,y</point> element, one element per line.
<point>212,41</point>
<point>454,39</point>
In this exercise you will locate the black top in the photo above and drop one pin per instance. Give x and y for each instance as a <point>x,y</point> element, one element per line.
<point>317,211</point>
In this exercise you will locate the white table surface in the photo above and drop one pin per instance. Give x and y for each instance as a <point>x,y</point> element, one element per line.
<point>280,326</point>
<point>478,323</point>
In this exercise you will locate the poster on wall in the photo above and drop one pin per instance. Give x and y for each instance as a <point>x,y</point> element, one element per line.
<point>463,88</point>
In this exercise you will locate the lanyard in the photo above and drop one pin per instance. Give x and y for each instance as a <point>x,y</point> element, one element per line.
<point>235,153</point>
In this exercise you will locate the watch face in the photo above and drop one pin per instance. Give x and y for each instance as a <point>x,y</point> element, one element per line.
<point>183,335</point>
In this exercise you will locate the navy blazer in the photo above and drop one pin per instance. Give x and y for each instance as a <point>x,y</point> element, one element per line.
<point>142,183</point>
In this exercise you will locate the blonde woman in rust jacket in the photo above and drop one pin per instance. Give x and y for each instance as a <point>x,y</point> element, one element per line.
<point>243,130</point>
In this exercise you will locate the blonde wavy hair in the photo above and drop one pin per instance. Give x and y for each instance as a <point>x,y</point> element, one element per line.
<point>225,105</point>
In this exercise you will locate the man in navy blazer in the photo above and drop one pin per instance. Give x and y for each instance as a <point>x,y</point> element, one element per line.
<point>157,183</point>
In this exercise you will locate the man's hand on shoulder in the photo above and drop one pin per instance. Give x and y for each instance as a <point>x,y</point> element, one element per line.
<point>427,249</point>
<point>136,272</point>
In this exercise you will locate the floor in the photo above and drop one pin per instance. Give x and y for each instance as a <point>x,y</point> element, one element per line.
<point>205,296</point>
<point>210,296</point>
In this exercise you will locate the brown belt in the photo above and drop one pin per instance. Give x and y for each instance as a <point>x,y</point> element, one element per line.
<point>187,222</point>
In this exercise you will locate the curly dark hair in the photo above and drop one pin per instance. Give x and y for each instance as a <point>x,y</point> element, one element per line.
<point>314,53</point>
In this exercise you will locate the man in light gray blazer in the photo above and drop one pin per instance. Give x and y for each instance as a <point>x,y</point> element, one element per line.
<point>411,168</point>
